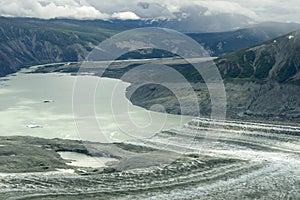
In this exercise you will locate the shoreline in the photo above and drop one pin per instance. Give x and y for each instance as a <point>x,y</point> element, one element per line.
<point>62,65</point>
<point>241,97</point>
<point>49,68</point>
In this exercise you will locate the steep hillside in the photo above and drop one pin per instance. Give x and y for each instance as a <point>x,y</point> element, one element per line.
<point>277,60</point>
<point>26,42</point>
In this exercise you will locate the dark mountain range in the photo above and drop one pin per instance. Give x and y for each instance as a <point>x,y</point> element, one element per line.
<point>28,41</point>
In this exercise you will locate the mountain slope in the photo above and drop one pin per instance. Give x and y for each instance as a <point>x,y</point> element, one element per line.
<point>261,83</point>
<point>277,60</point>
<point>26,42</point>
<point>222,43</point>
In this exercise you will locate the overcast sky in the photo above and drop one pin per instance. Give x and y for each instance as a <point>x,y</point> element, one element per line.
<point>257,10</point>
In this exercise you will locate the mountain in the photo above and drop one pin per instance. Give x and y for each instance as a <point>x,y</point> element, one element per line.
<point>221,43</point>
<point>277,60</point>
<point>28,41</point>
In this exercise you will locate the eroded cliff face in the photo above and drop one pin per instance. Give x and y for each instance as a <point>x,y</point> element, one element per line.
<point>271,100</point>
<point>248,100</point>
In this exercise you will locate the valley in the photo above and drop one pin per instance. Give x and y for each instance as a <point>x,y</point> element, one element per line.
<point>130,140</point>
<point>201,159</point>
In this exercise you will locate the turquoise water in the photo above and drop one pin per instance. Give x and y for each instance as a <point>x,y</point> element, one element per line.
<point>24,112</point>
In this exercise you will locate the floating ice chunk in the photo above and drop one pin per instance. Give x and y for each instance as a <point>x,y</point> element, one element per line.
<point>48,101</point>
<point>33,126</point>
<point>67,171</point>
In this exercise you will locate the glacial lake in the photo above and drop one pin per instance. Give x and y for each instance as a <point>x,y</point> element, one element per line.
<point>40,105</point>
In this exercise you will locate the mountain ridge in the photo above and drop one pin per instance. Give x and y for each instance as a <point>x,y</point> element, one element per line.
<point>30,41</point>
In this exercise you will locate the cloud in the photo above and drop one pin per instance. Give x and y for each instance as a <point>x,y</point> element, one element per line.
<point>217,7</point>
<point>259,10</point>
<point>212,7</point>
<point>144,5</point>
<point>125,15</point>
<point>153,10</point>
<point>50,9</point>
<point>273,10</point>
